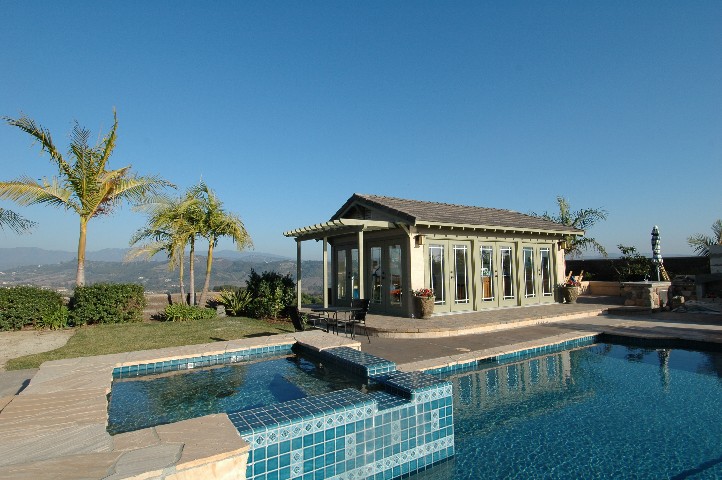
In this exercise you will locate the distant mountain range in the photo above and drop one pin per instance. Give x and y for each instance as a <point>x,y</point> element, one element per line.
<point>20,256</point>
<point>56,269</point>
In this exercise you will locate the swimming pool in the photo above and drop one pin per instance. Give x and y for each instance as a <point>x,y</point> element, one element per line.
<point>601,411</point>
<point>145,401</point>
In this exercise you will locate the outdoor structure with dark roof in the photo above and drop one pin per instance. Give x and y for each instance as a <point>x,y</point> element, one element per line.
<point>473,258</point>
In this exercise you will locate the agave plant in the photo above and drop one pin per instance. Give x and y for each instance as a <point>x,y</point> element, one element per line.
<point>236,302</point>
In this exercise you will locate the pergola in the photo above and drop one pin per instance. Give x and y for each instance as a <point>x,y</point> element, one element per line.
<point>334,228</point>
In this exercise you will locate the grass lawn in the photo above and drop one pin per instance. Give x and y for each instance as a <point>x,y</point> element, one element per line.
<point>105,339</point>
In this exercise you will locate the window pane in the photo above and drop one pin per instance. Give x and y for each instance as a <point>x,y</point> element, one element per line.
<point>395,270</point>
<point>487,273</point>
<point>460,275</point>
<point>507,273</point>
<point>529,272</point>
<point>341,274</point>
<point>376,274</point>
<point>436,270</point>
<point>546,272</point>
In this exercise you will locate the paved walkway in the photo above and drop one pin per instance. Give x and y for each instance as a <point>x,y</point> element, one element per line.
<point>486,320</point>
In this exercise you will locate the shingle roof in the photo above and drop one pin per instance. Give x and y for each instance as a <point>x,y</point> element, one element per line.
<point>419,212</point>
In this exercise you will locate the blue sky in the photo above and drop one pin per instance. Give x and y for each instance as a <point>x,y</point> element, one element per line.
<point>288,108</point>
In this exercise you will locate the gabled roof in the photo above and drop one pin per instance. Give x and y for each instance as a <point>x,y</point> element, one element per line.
<point>421,213</point>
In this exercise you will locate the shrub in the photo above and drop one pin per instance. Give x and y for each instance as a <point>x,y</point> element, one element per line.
<point>271,293</point>
<point>309,298</point>
<point>57,320</point>
<point>24,306</point>
<point>632,266</point>
<point>107,303</point>
<point>236,302</point>
<point>179,312</point>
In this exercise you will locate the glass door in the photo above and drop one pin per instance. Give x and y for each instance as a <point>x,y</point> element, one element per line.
<point>386,277</point>
<point>538,278</point>
<point>347,275</point>
<point>497,275</point>
<point>448,271</point>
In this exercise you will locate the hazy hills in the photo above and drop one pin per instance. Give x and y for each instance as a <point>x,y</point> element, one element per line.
<point>56,269</point>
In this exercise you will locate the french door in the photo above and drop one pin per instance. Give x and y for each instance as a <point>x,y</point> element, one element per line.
<point>448,270</point>
<point>538,279</point>
<point>347,275</point>
<point>386,283</point>
<point>498,287</point>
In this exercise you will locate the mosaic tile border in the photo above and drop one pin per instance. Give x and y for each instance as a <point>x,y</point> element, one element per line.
<point>516,356</point>
<point>202,361</point>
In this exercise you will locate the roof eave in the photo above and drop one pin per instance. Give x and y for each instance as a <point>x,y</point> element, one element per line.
<point>499,228</point>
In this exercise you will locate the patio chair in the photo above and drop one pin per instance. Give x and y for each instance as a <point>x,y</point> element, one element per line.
<point>296,319</point>
<point>359,318</point>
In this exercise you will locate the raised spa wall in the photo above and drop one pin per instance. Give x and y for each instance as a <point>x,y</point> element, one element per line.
<point>402,428</point>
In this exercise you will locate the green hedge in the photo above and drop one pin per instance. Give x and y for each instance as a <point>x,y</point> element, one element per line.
<point>26,306</point>
<point>107,303</point>
<point>179,312</point>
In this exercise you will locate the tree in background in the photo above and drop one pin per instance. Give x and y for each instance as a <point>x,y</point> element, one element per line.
<point>83,184</point>
<point>217,223</point>
<point>701,243</point>
<point>583,219</point>
<point>173,224</point>
<point>14,222</point>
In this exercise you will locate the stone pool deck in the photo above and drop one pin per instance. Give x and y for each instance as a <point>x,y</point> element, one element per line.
<point>55,427</point>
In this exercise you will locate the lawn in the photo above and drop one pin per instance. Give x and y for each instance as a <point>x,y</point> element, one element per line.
<point>104,339</point>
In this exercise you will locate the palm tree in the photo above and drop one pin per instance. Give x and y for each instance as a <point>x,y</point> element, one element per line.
<point>217,223</point>
<point>701,243</point>
<point>14,222</point>
<point>173,224</point>
<point>581,219</point>
<point>83,184</point>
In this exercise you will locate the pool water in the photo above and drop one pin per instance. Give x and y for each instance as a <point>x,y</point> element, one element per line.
<point>141,402</point>
<point>603,411</point>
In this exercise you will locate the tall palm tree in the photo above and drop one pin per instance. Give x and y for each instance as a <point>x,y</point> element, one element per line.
<point>159,241</point>
<point>701,243</point>
<point>217,223</point>
<point>582,219</point>
<point>83,184</point>
<point>14,222</point>
<point>172,225</point>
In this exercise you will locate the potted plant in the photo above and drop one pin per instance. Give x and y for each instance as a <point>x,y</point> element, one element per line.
<point>569,290</point>
<point>424,300</point>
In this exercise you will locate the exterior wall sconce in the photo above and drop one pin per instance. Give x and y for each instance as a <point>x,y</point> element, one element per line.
<point>563,245</point>
<point>419,240</point>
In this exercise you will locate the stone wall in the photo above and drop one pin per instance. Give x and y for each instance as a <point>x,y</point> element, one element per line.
<point>645,294</point>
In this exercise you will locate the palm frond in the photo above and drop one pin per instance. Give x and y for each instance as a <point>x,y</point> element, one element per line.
<point>26,191</point>
<point>15,222</point>
<point>43,137</point>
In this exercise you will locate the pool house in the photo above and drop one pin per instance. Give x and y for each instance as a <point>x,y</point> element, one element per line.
<point>473,258</point>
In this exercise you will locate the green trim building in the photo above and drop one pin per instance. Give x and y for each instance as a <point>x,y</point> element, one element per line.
<point>473,258</point>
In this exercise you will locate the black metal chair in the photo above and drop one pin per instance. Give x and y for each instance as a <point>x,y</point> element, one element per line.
<point>359,317</point>
<point>297,319</point>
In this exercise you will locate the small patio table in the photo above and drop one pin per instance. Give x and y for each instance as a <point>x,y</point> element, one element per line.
<point>328,311</point>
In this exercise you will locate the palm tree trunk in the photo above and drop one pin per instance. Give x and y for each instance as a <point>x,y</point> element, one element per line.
<point>80,276</point>
<point>191,273</point>
<point>182,286</point>
<point>209,265</point>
